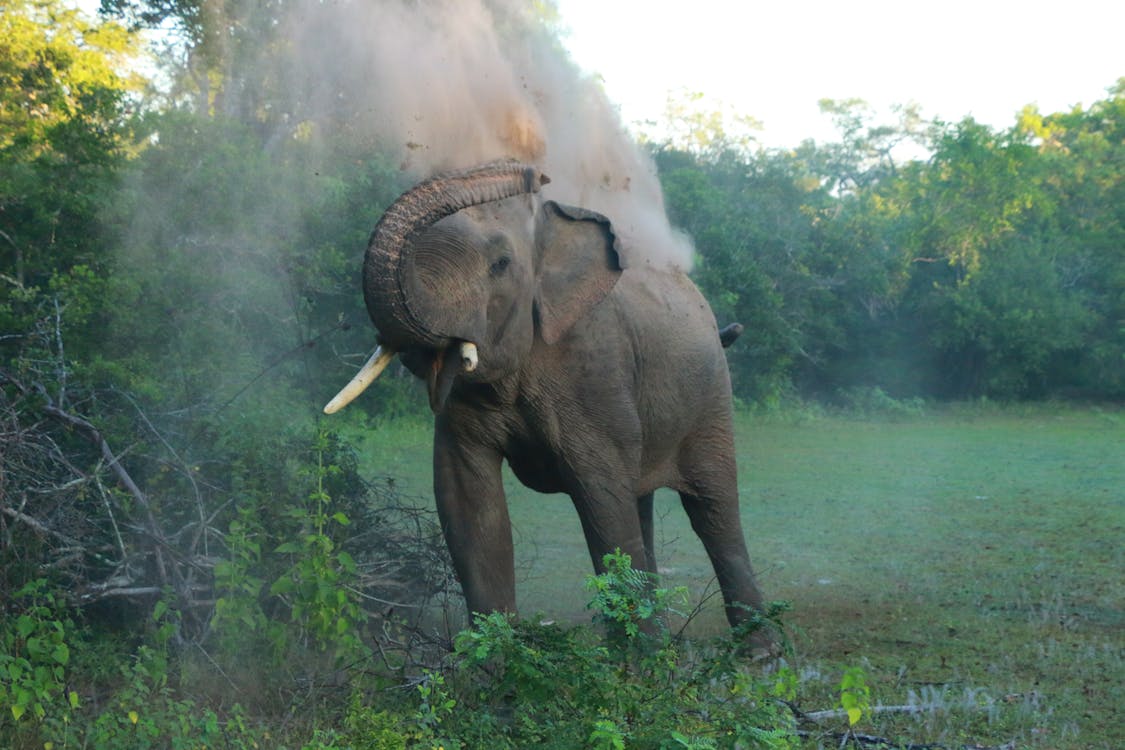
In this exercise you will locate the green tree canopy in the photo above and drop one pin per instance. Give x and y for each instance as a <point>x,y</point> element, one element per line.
<point>64,88</point>
<point>991,267</point>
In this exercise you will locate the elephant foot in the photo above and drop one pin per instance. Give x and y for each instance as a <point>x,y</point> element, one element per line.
<point>758,635</point>
<point>761,646</point>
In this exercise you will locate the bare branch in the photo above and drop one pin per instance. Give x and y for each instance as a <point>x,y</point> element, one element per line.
<point>95,436</point>
<point>112,520</point>
<point>42,529</point>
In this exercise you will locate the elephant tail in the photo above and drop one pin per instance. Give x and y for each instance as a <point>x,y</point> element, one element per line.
<point>730,334</point>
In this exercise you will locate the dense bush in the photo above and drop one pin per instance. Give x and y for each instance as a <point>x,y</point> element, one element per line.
<point>993,268</point>
<point>503,684</point>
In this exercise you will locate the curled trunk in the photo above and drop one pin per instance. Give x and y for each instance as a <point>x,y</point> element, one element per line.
<point>386,286</point>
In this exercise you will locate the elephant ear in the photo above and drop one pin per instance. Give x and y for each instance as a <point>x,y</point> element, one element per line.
<point>578,266</point>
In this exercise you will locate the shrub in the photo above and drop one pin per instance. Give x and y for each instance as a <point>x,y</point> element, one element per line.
<point>522,683</point>
<point>874,403</point>
<point>34,654</point>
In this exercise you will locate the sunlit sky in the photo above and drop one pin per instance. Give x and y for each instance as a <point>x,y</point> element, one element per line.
<point>775,60</point>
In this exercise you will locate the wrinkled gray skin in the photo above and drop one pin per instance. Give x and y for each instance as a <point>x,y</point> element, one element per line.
<point>594,381</point>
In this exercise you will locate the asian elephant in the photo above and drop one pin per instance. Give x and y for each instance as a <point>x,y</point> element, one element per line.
<point>540,345</point>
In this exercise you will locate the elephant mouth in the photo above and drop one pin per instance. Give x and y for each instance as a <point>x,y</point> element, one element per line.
<point>439,368</point>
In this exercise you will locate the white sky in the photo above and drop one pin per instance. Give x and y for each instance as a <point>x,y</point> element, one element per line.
<point>775,60</point>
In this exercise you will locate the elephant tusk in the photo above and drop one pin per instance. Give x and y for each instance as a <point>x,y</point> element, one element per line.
<point>468,356</point>
<point>365,377</point>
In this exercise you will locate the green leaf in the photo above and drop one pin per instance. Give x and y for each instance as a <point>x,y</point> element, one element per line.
<point>854,715</point>
<point>23,699</point>
<point>24,626</point>
<point>17,711</point>
<point>340,518</point>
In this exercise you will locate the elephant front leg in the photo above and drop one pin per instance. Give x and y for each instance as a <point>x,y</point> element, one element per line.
<point>474,519</point>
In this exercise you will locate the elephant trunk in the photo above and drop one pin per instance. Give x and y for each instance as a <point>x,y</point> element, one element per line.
<point>387,269</point>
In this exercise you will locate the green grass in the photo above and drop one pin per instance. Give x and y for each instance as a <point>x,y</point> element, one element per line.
<point>972,561</point>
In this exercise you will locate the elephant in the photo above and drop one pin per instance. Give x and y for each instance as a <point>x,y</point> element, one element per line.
<point>540,345</point>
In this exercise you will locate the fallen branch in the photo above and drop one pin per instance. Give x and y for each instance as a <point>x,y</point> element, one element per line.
<point>126,591</point>
<point>839,713</point>
<point>867,740</point>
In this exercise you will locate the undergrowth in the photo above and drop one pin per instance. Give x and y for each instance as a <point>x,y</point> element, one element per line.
<point>310,642</point>
<point>622,681</point>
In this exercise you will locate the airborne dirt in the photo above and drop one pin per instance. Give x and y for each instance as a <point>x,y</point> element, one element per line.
<point>450,84</point>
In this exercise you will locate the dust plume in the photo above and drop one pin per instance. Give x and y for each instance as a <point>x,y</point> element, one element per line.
<point>452,83</point>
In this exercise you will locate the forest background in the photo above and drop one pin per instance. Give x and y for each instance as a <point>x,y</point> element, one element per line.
<point>181,229</point>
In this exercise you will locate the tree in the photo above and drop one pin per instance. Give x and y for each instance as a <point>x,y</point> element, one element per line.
<point>706,129</point>
<point>1081,157</point>
<point>866,152</point>
<point>752,218</point>
<point>63,97</point>
<point>998,281</point>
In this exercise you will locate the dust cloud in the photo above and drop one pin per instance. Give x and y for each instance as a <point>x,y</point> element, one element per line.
<point>447,84</point>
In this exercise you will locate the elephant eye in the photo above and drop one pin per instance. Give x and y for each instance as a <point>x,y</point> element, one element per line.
<point>499,266</point>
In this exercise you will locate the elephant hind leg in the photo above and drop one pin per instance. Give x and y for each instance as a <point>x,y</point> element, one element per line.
<point>709,494</point>
<point>644,510</point>
<point>715,519</point>
<point>612,521</point>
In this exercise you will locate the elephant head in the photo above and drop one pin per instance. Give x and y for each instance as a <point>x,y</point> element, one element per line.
<point>464,270</point>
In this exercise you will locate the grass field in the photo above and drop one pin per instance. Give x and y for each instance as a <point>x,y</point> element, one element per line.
<point>972,562</point>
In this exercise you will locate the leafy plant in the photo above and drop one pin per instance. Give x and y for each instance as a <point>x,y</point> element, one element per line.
<point>855,695</point>
<point>627,600</point>
<point>606,736</point>
<point>239,619</point>
<point>34,655</point>
<point>435,706</point>
<point>145,713</point>
<point>318,586</point>
<point>373,729</point>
